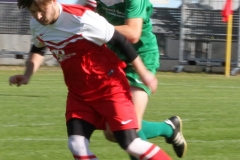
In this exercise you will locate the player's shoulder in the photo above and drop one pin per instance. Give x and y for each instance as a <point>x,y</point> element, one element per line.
<point>74,9</point>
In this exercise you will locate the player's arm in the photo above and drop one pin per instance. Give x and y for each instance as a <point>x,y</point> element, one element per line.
<point>99,31</point>
<point>36,57</point>
<point>148,78</point>
<point>132,29</point>
<point>33,63</point>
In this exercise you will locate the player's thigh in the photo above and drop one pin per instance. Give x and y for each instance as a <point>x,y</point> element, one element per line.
<point>140,100</point>
<point>140,92</point>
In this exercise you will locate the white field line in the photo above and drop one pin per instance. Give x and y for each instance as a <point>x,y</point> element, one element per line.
<point>214,141</point>
<point>34,139</point>
<point>18,125</point>
<point>65,139</point>
<point>189,85</point>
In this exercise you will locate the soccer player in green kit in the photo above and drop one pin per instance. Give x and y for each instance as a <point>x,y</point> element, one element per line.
<point>132,19</point>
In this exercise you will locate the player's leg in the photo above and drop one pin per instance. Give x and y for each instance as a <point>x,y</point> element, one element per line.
<point>81,121</point>
<point>149,129</point>
<point>146,129</point>
<point>140,93</point>
<point>133,145</point>
<point>140,100</point>
<point>177,140</point>
<point>79,133</point>
<point>136,92</point>
<point>121,118</point>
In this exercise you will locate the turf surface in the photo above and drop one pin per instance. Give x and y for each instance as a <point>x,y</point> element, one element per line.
<point>32,123</point>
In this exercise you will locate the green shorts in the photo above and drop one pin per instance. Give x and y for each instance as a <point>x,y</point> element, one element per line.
<point>151,61</point>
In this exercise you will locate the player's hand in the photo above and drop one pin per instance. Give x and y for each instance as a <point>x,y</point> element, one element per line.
<point>18,80</point>
<point>151,81</point>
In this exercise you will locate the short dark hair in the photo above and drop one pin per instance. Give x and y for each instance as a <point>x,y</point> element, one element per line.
<point>27,3</point>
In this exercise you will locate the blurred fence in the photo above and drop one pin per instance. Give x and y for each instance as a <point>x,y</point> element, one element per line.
<point>15,36</point>
<point>14,31</point>
<point>13,20</point>
<point>211,4</point>
<point>195,28</point>
<point>200,31</point>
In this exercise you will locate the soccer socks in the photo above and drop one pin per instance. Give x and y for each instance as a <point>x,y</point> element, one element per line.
<point>152,130</point>
<point>143,137</point>
<point>79,146</point>
<point>155,129</point>
<point>144,150</point>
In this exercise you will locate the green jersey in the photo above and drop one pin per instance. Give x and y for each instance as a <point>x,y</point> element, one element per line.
<point>117,11</point>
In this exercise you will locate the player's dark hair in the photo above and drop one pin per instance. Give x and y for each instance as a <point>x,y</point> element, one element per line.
<point>27,3</point>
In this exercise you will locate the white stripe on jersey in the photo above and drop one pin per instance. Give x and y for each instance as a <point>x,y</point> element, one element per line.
<point>92,3</point>
<point>56,46</point>
<point>73,20</point>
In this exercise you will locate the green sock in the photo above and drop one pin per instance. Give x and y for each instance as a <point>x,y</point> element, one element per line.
<point>155,129</point>
<point>143,137</point>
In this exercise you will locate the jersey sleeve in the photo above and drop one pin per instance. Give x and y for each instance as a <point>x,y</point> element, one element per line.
<point>96,28</point>
<point>34,38</point>
<point>136,8</point>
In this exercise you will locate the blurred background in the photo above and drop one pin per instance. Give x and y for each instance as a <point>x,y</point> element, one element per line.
<point>191,35</point>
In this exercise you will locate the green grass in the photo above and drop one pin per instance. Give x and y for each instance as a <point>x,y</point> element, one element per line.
<point>32,122</point>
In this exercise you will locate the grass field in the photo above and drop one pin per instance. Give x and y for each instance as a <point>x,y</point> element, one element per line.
<point>32,123</point>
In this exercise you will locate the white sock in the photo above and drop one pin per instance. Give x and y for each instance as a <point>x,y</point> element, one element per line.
<point>79,146</point>
<point>142,149</point>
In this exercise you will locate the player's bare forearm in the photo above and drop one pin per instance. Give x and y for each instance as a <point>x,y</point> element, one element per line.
<point>132,29</point>
<point>33,64</point>
<point>139,66</point>
<point>147,77</point>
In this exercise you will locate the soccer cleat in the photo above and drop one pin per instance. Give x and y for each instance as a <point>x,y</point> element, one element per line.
<point>177,140</point>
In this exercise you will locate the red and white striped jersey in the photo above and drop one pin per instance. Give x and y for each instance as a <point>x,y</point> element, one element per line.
<point>75,22</point>
<point>77,40</point>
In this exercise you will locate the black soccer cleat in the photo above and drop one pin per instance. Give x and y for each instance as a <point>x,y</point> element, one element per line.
<point>177,140</point>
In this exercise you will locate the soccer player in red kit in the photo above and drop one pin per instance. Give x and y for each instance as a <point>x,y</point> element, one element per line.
<point>98,91</point>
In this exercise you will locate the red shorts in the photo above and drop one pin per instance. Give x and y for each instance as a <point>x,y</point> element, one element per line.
<point>117,110</point>
<point>99,90</point>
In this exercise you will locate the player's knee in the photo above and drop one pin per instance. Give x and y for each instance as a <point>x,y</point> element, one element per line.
<point>125,137</point>
<point>109,136</point>
<point>77,144</point>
